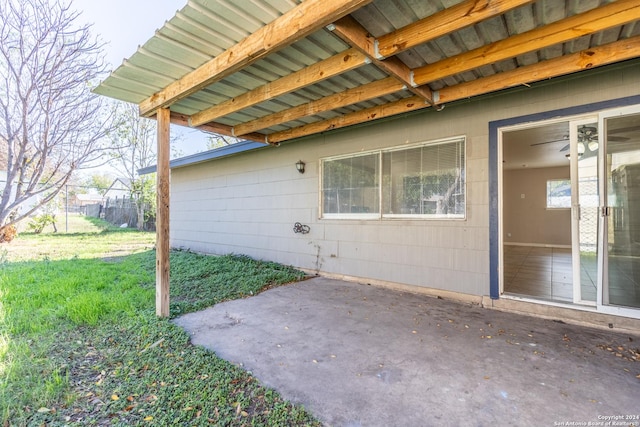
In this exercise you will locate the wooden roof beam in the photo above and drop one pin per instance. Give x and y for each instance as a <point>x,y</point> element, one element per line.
<point>297,23</point>
<point>219,128</point>
<point>608,16</point>
<point>351,32</point>
<point>441,23</point>
<point>584,60</point>
<point>386,110</point>
<point>335,65</point>
<point>348,97</point>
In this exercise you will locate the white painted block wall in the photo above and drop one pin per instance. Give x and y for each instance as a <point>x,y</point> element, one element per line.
<point>249,203</point>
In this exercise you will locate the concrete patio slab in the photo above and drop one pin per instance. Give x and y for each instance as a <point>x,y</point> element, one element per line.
<point>358,355</point>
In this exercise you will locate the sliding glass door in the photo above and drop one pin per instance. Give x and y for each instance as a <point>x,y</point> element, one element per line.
<point>603,149</point>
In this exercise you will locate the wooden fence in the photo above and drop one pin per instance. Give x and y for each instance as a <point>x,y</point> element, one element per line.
<point>119,211</point>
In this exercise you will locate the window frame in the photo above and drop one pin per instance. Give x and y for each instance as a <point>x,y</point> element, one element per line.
<point>380,215</point>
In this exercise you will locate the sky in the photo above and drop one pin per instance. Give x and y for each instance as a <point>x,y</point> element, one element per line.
<point>126,24</point>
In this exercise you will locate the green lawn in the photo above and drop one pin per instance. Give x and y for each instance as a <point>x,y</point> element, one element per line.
<point>80,343</point>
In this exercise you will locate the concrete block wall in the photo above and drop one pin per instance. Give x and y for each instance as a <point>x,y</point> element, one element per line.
<point>249,203</point>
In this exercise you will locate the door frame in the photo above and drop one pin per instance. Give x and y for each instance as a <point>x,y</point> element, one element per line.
<point>495,190</point>
<point>603,249</point>
<point>576,208</point>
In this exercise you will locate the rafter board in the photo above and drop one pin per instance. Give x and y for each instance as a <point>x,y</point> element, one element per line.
<point>334,65</point>
<point>607,16</point>
<point>444,22</point>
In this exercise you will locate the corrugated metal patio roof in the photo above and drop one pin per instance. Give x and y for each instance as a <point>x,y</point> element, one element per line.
<point>274,70</point>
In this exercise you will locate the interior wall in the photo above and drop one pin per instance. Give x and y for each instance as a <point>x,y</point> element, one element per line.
<point>526,217</point>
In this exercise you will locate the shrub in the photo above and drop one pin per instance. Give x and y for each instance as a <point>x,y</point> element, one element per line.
<point>39,222</point>
<point>8,233</point>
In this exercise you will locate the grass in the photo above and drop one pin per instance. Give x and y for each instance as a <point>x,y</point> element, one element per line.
<point>80,343</point>
<point>87,238</point>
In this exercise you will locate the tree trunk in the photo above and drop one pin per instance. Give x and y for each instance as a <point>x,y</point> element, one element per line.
<point>443,204</point>
<point>140,212</point>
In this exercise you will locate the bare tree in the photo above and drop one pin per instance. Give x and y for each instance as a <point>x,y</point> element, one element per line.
<point>134,148</point>
<point>217,141</point>
<point>50,121</point>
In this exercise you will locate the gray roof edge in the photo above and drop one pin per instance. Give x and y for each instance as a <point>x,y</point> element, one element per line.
<point>216,153</point>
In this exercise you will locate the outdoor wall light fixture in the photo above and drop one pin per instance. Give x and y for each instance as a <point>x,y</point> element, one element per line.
<point>300,166</point>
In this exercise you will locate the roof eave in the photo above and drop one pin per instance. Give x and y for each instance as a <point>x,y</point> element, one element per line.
<point>205,156</point>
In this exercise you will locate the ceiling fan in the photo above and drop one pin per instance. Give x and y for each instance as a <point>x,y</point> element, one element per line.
<point>587,139</point>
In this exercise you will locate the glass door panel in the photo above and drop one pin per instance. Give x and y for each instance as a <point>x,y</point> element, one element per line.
<point>622,167</point>
<point>585,202</point>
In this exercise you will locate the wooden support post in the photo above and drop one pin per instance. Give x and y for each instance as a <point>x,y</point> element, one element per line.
<point>162,214</point>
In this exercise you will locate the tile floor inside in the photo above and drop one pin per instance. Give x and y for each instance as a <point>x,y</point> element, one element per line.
<point>539,272</point>
<point>546,273</point>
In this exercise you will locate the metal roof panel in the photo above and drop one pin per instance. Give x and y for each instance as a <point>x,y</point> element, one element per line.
<point>203,29</point>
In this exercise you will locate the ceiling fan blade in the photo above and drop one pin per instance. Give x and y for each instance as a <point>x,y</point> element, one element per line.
<point>547,142</point>
<point>618,138</point>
